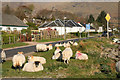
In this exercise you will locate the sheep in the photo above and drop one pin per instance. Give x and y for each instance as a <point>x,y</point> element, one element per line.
<point>41,47</point>
<point>18,60</point>
<point>67,54</point>
<point>3,56</point>
<point>66,44</point>
<point>42,60</point>
<point>57,56</point>
<point>58,45</point>
<point>50,46</point>
<point>33,67</point>
<point>81,56</point>
<point>115,40</point>
<point>70,42</point>
<point>75,44</point>
<point>57,50</point>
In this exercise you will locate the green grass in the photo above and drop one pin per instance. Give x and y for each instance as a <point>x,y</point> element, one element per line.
<point>48,40</point>
<point>13,45</point>
<point>75,69</point>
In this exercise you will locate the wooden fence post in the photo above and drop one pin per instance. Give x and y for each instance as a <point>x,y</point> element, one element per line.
<point>9,40</point>
<point>14,39</point>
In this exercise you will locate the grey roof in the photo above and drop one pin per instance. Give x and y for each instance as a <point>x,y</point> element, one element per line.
<point>11,20</point>
<point>60,23</point>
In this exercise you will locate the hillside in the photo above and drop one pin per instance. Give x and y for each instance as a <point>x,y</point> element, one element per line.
<point>79,8</point>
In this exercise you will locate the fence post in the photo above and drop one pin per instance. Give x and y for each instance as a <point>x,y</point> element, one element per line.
<point>9,40</point>
<point>14,39</point>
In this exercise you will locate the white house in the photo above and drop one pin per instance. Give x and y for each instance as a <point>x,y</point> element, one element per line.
<point>11,22</point>
<point>60,26</point>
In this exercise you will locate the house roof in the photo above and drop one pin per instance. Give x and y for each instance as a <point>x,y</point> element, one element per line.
<point>11,20</point>
<point>61,23</point>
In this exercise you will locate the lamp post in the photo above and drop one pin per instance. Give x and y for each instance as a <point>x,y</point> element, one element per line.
<point>64,28</point>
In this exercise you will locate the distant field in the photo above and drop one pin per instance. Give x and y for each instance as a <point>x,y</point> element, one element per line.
<point>76,68</point>
<point>14,45</point>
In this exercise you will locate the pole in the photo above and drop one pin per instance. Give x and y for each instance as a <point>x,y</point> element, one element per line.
<point>107,29</point>
<point>64,30</point>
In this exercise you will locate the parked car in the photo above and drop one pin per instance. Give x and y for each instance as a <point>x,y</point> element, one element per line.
<point>104,34</point>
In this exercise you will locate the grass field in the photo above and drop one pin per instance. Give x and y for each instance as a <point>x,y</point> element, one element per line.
<point>94,67</point>
<point>13,45</point>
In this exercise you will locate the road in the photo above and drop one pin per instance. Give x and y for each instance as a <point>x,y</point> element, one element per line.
<point>28,49</point>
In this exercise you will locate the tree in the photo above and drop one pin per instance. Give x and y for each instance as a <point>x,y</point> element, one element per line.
<point>91,19</point>
<point>101,19</point>
<point>32,26</point>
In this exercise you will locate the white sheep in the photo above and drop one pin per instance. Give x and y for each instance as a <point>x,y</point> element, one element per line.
<point>42,60</point>
<point>66,44</point>
<point>41,47</point>
<point>57,50</point>
<point>58,45</point>
<point>18,60</point>
<point>56,56</point>
<point>67,54</point>
<point>70,42</point>
<point>32,67</point>
<point>50,46</point>
<point>3,56</point>
<point>75,44</point>
<point>81,56</point>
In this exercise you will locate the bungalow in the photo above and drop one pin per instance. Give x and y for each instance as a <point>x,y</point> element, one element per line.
<point>60,26</point>
<point>11,22</point>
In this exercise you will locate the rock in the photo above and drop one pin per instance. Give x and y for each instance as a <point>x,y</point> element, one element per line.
<point>118,66</point>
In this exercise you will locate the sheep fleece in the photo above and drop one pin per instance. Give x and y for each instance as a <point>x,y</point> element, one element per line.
<point>18,59</point>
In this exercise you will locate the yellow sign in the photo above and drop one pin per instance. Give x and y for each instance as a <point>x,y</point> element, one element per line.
<point>107,17</point>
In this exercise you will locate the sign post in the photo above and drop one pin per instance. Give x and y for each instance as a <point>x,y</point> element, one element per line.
<point>88,28</point>
<point>108,19</point>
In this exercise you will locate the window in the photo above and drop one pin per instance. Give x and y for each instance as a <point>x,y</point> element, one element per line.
<point>0,28</point>
<point>14,28</point>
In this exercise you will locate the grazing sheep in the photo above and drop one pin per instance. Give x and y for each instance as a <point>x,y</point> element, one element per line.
<point>3,56</point>
<point>18,60</point>
<point>33,67</point>
<point>57,56</point>
<point>41,47</point>
<point>70,42</point>
<point>50,46</point>
<point>58,45</point>
<point>66,54</point>
<point>115,40</point>
<point>66,44</point>
<point>42,60</point>
<point>75,44</point>
<point>57,50</point>
<point>81,56</point>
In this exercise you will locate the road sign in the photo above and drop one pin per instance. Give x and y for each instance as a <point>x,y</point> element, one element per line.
<point>107,17</point>
<point>87,26</point>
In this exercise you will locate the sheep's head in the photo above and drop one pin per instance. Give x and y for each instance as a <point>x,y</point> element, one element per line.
<point>78,51</point>
<point>58,48</point>
<point>50,44</point>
